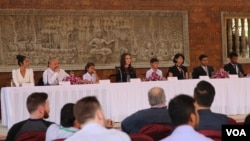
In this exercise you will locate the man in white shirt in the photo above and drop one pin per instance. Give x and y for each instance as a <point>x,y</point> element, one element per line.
<point>53,74</point>
<point>89,114</point>
<point>185,118</point>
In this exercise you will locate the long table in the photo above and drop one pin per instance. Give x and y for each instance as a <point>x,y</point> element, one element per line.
<point>119,100</point>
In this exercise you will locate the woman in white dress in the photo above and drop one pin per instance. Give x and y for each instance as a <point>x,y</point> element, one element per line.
<point>23,74</point>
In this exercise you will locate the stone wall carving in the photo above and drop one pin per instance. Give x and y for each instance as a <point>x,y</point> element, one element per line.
<point>76,37</point>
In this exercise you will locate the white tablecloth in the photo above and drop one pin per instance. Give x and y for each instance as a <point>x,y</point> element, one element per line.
<point>122,99</point>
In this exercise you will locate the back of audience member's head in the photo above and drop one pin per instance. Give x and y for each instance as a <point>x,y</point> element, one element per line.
<point>233,54</point>
<point>180,109</point>
<point>86,109</point>
<point>156,96</point>
<point>67,115</point>
<point>202,56</point>
<point>152,60</point>
<point>247,120</point>
<point>34,100</point>
<point>204,93</point>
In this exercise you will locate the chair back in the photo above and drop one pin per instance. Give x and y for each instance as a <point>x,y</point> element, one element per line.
<point>59,139</point>
<point>140,137</point>
<point>32,136</point>
<point>231,120</point>
<point>216,135</point>
<point>156,131</point>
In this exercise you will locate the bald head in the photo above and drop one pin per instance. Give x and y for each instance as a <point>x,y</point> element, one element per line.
<point>156,96</point>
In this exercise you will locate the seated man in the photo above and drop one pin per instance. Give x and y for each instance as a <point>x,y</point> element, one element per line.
<point>158,113</point>
<point>154,73</point>
<point>53,74</point>
<point>204,93</point>
<point>89,114</point>
<point>185,118</point>
<point>233,67</point>
<point>38,107</point>
<point>68,126</point>
<point>203,69</point>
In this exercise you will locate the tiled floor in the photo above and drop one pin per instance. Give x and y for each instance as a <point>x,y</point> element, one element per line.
<point>4,130</point>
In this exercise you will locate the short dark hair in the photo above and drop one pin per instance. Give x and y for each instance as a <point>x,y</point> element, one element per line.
<point>177,56</point>
<point>67,115</point>
<point>89,64</point>
<point>202,56</point>
<point>36,99</point>
<point>247,120</point>
<point>233,54</point>
<point>152,60</point>
<point>204,93</point>
<point>86,108</point>
<point>20,59</point>
<point>180,108</point>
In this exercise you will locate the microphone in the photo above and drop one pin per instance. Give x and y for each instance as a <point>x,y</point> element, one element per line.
<point>47,78</point>
<point>120,73</point>
<point>183,73</point>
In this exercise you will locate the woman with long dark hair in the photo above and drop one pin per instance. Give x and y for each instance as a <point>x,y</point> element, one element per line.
<point>126,70</point>
<point>23,74</point>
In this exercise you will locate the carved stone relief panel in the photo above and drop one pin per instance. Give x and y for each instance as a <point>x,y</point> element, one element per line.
<point>76,37</point>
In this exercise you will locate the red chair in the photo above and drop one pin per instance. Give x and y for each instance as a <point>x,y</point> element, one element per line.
<point>156,131</point>
<point>140,137</point>
<point>231,120</point>
<point>216,135</point>
<point>32,136</point>
<point>59,140</point>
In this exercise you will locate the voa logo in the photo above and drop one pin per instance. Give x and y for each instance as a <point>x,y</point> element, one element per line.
<point>236,132</point>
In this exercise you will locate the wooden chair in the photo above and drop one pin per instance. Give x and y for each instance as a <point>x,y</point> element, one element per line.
<point>156,131</point>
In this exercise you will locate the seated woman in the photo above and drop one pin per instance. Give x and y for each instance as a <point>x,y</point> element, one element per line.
<point>125,71</point>
<point>178,70</point>
<point>90,76</point>
<point>23,74</point>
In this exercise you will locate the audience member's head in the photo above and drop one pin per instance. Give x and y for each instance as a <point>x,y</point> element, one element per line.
<point>125,60</point>
<point>88,109</point>
<point>203,59</point>
<point>247,120</point>
<point>156,97</point>
<point>67,116</point>
<point>204,93</point>
<point>38,105</point>
<point>53,63</point>
<point>22,60</point>
<point>182,111</point>
<point>233,57</point>
<point>179,58</point>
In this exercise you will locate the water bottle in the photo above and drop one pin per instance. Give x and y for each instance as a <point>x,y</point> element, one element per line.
<point>128,78</point>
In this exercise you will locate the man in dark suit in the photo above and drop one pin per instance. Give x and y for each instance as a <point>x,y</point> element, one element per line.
<point>234,67</point>
<point>157,113</point>
<point>203,69</point>
<point>204,93</point>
